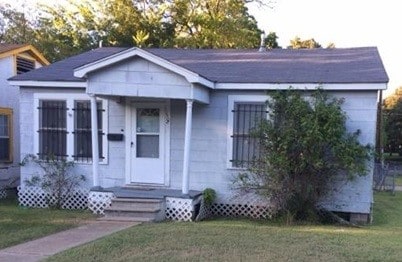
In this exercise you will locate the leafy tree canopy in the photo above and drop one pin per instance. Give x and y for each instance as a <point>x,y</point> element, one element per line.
<point>66,28</point>
<point>392,110</point>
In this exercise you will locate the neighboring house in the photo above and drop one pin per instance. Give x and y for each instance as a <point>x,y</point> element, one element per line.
<point>180,118</point>
<point>15,59</point>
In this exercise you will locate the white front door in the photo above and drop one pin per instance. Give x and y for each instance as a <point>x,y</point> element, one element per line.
<point>148,145</point>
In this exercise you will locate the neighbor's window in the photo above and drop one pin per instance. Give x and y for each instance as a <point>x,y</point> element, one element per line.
<point>82,131</point>
<point>6,115</point>
<point>246,117</point>
<point>52,129</point>
<point>24,65</point>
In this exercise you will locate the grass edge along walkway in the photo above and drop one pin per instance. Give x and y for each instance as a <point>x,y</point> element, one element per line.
<point>237,240</point>
<point>20,224</point>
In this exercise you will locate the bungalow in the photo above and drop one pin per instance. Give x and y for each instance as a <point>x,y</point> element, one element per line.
<point>178,120</point>
<point>15,59</point>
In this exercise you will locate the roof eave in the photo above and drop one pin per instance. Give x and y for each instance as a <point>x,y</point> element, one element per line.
<point>301,86</point>
<point>33,83</point>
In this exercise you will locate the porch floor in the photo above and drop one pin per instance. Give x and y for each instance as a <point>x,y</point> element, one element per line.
<point>151,193</point>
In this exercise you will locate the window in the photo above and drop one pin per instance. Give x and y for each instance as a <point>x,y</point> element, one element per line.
<point>64,127</point>
<point>52,129</point>
<point>24,65</point>
<point>82,131</point>
<point>245,114</point>
<point>6,131</point>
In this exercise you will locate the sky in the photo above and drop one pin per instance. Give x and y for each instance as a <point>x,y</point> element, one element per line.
<point>346,23</point>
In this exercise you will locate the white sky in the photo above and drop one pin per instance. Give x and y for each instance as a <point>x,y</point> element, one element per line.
<point>346,23</point>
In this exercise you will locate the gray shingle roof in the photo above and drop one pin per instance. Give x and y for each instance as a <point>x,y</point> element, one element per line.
<point>339,65</point>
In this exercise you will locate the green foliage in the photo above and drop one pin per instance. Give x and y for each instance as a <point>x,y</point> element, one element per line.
<point>155,23</point>
<point>304,145</point>
<point>392,128</point>
<point>214,24</point>
<point>209,196</point>
<point>271,41</point>
<point>15,26</point>
<point>297,43</point>
<point>56,179</point>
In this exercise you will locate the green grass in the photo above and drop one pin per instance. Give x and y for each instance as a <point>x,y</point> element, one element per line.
<point>398,180</point>
<point>244,240</point>
<point>18,224</point>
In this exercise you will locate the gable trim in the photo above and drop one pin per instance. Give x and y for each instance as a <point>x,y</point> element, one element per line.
<point>107,61</point>
<point>27,48</point>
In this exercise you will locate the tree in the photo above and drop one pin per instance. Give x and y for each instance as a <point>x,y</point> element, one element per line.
<point>146,23</point>
<point>15,27</point>
<point>392,111</point>
<point>271,41</point>
<point>297,43</point>
<point>304,146</point>
<point>214,24</point>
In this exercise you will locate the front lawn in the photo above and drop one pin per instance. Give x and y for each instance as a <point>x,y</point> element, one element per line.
<point>18,224</point>
<point>244,240</point>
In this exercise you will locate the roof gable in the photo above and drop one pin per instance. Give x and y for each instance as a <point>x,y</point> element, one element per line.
<point>191,76</point>
<point>15,49</point>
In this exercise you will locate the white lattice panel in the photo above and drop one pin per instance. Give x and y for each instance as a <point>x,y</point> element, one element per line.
<point>3,193</point>
<point>204,212</point>
<point>37,197</point>
<point>179,209</point>
<point>240,210</point>
<point>244,205</point>
<point>98,201</point>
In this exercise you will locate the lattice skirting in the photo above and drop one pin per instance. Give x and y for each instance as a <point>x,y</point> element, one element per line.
<point>37,197</point>
<point>98,201</point>
<point>3,193</point>
<point>181,209</point>
<point>240,210</point>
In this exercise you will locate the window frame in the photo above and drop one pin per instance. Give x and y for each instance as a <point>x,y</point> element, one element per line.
<point>52,131</point>
<point>232,100</point>
<point>9,113</point>
<point>70,99</point>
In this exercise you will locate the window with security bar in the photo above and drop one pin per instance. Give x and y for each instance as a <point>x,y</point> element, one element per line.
<point>52,129</point>
<point>246,117</point>
<point>82,131</point>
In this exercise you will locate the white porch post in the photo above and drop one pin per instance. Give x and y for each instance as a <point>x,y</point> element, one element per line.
<point>187,143</point>
<point>95,145</point>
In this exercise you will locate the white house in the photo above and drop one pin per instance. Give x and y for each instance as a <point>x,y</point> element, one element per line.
<point>15,59</point>
<point>179,118</point>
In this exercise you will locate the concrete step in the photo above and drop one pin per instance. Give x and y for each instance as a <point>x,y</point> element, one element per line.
<point>135,209</point>
<point>130,208</point>
<point>125,219</point>
<point>137,203</point>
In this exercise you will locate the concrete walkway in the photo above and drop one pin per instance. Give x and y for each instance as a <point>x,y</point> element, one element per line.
<point>39,249</point>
